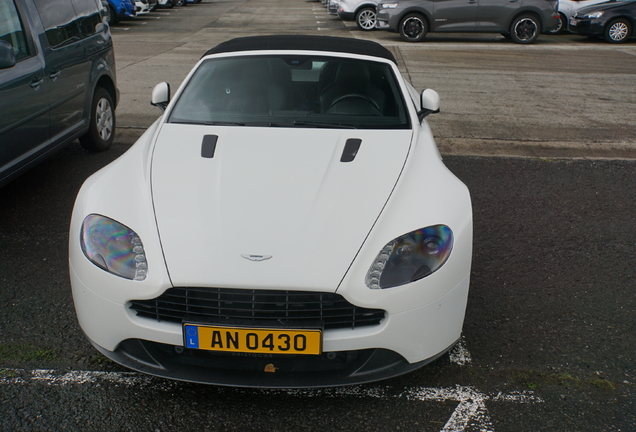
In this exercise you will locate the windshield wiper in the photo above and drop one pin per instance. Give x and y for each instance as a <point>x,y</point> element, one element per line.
<point>206,123</point>
<point>222,123</point>
<point>300,123</point>
<point>324,125</point>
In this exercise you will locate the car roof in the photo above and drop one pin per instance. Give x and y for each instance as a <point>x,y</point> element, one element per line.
<point>304,43</point>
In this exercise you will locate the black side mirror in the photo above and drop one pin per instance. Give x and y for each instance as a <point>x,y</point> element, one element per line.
<point>7,55</point>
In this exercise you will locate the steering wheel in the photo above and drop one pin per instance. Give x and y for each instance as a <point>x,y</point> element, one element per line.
<point>353,97</point>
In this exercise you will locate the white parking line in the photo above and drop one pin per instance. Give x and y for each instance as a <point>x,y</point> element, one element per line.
<point>470,414</point>
<point>460,354</point>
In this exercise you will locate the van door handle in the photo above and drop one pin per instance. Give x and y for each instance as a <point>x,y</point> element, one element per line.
<point>35,82</point>
<point>55,75</point>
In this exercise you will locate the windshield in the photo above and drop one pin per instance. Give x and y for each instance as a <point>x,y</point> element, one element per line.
<point>292,91</point>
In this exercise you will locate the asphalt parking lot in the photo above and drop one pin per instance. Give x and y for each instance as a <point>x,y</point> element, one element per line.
<point>544,138</point>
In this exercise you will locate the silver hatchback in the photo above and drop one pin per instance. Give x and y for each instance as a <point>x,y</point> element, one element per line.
<point>520,20</point>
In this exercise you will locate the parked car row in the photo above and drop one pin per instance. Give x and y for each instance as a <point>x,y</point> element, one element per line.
<point>520,21</point>
<point>117,10</point>
<point>567,8</point>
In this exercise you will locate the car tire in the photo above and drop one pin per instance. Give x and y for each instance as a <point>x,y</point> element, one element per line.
<point>413,28</point>
<point>111,16</point>
<point>617,31</point>
<point>365,19</point>
<point>563,24</point>
<point>101,132</point>
<point>525,29</point>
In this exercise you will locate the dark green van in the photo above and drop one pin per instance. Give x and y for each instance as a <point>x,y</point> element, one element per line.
<point>57,80</point>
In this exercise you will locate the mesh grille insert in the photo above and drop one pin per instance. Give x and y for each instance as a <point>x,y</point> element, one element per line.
<point>258,307</point>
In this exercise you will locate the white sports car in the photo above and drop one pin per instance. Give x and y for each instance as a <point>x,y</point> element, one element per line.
<point>287,222</point>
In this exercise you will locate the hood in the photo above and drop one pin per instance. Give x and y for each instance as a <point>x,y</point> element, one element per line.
<point>272,208</point>
<point>612,4</point>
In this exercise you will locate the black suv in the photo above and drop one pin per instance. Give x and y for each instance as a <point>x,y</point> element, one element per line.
<point>57,80</point>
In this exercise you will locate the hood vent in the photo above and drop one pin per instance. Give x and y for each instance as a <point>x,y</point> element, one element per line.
<point>208,146</point>
<point>351,150</point>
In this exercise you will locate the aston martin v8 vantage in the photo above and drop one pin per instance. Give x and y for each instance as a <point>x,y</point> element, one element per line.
<point>286,222</point>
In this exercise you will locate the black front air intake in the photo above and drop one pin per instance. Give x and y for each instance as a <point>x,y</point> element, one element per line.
<point>256,307</point>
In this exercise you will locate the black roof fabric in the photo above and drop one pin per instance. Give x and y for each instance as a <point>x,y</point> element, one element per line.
<point>304,42</point>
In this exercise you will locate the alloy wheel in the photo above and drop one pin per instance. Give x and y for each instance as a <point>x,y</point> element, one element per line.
<point>104,119</point>
<point>413,27</point>
<point>618,31</point>
<point>366,19</point>
<point>526,29</point>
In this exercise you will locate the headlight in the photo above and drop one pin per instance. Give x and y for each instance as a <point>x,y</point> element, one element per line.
<point>410,257</point>
<point>593,15</point>
<point>388,5</point>
<point>113,247</point>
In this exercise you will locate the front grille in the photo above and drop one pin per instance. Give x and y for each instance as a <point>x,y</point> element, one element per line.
<point>256,307</point>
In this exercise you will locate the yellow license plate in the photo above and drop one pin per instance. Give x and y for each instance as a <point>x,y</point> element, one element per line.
<point>253,340</point>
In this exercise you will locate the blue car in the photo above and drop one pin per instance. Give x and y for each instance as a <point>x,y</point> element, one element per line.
<point>117,10</point>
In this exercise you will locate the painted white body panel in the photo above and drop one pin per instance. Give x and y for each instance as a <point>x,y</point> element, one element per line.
<point>102,194</point>
<point>270,191</point>
<point>416,334</point>
<point>353,5</point>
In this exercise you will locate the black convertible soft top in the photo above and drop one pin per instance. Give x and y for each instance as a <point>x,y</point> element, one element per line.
<point>304,42</point>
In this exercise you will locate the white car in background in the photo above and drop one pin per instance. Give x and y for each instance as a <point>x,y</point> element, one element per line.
<point>142,7</point>
<point>286,222</point>
<point>362,11</point>
<point>168,3</point>
<point>567,8</point>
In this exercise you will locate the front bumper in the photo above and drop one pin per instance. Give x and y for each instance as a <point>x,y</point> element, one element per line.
<point>401,343</point>
<point>387,19</point>
<point>124,13</point>
<point>261,370</point>
<point>346,16</point>
<point>332,8</point>
<point>586,27</point>
<point>142,8</point>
